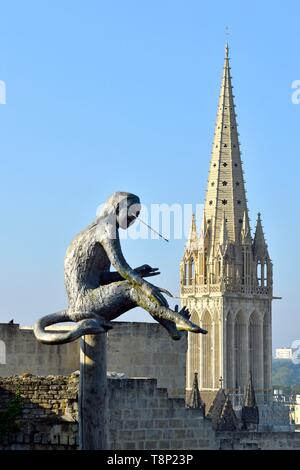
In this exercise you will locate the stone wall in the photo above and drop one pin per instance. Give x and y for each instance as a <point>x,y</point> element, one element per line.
<point>48,419</point>
<point>141,415</point>
<point>25,354</point>
<point>136,349</point>
<point>258,440</point>
<point>146,350</point>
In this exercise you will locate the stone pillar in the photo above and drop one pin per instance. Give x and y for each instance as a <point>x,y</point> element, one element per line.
<point>259,380</point>
<point>230,366</point>
<point>93,393</point>
<point>217,356</point>
<point>244,352</point>
<point>224,350</point>
<point>213,354</point>
<point>267,356</point>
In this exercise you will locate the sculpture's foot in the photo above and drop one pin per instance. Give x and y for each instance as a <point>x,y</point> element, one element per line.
<point>186,324</point>
<point>193,329</point>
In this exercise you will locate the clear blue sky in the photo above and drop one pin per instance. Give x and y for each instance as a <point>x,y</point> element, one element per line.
<point>122,95</point>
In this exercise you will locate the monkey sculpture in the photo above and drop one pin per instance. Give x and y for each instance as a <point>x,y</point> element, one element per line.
<point>95,294</point>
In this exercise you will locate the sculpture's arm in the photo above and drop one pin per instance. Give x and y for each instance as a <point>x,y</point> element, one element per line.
<point>114,253</point>
<point>113,250</point>
<point>107,277</point>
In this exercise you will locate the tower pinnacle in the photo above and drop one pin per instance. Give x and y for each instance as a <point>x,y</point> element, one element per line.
<point>193,238</point>
<point>226,189</point>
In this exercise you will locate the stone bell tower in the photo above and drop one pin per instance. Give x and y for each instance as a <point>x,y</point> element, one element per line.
<point>226,275</point>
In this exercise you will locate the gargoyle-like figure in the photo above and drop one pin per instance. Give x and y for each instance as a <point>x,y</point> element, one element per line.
<point>95,294</point>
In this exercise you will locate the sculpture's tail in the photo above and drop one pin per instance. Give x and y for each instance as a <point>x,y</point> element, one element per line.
<point>88,326</point>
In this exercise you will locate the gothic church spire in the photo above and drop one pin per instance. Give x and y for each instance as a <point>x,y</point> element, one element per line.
<point>226,189</point>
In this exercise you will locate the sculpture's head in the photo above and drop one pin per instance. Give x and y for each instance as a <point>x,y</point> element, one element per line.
<point>128,210</point>
<point>124,207</point>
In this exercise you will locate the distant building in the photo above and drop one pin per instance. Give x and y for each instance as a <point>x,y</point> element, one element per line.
<point>226,275</point>
<point>294,406</point>
<point>283,353</point>
<point>297,410</point>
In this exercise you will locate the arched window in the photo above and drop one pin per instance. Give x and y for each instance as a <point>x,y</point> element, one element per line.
<point>201,270</point>
<point>2,352</point>
<point>243,266</point>
<point>258,273</point>
<point>185,274</point>
<point>266,273</point>
<point>205,267</point>
<point>219,267</point>
<point>192,270</point>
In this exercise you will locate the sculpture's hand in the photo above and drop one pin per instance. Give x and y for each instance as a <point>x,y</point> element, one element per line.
<point>147,271</point>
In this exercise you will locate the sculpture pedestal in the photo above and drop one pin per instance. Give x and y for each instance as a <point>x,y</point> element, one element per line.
<point>92,410</point>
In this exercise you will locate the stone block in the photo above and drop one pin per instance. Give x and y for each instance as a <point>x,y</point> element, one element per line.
<point>125,435</point>
<point>138,435</point>
<point>190,444</point>
<point>179,433</point>
<point>161,423</point>
<point>128,446</point>
<point>164,444</point>
<point>168,434</point>
<point>149,445</point>
<point>153,434</point>
<point>176,423</point>
<point>203,443</point>
<point>131,424</point>
<point>176,444</point>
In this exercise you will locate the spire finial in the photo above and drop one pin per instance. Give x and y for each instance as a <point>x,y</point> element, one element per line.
<point>226,51</point>
<point>226,45</point>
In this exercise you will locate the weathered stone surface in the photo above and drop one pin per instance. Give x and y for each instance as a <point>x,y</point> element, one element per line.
<point>186,429</point>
